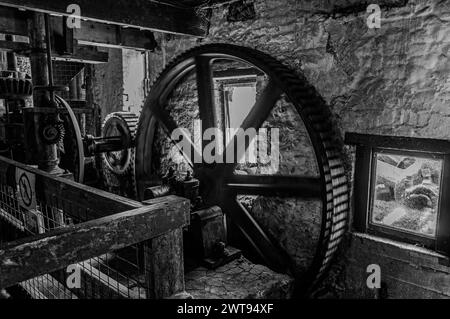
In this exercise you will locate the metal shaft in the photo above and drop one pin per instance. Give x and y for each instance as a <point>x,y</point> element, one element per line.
<point>47,155</point>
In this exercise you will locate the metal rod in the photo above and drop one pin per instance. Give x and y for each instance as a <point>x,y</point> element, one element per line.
<point>49,56</point>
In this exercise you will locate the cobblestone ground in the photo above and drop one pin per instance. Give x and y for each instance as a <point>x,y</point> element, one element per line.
<point>238,279</point>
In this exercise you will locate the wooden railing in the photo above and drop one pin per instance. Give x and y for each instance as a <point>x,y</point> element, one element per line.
<point>103,227</point>
<point>67,194</point>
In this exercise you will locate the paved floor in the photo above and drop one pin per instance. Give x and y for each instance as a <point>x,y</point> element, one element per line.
<point>238,279</point>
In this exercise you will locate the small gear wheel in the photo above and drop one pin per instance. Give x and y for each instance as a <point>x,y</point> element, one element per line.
<point>118,166</point>
<point>15,85</point>
<point>70,142</point>
<point>52,131</point>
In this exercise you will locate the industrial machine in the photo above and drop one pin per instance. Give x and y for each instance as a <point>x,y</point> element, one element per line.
<point>128,147</point>
<point>221,184</point>
<point>141,160</point>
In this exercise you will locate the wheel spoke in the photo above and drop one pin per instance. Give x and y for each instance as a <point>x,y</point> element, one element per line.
<point>169,126</point>
<point>269,252</point>
<point>275,185</point>
<point>263,105</point>
<point>256,117</point>
<point>205,89</point>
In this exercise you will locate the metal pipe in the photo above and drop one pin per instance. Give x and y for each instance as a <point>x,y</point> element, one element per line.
<point>49,55</point>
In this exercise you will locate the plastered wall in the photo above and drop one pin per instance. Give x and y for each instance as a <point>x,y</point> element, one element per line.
<point>393,80</point>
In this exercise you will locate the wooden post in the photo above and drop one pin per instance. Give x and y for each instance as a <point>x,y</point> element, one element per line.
<point>11,56</point>
<point>164,265</point>
<point>163,258</point>
<point>38,57</point>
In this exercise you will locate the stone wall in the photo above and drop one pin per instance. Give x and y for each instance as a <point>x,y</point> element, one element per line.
<point>393,80</point>
<point>118,85</point>
<point>107,83</point>
<point>133,80</point>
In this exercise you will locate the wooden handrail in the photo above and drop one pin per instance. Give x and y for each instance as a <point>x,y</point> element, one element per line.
<point>61,191</point>
<point>58,248</point>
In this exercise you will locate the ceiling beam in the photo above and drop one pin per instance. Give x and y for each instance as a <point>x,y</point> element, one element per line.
<point>81,53</point>
<point>144,14</point>
<point>13,21</point>
<point>107,35</point>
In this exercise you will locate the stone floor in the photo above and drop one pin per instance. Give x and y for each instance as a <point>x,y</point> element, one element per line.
<point>239,279</point>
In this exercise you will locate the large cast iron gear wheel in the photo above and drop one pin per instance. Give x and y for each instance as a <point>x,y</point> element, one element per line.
<point>118,166</point>
<point>219,185</point>
<point>71,144</point>
<point>14,85</point>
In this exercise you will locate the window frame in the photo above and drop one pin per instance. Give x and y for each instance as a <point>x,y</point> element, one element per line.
<point>367,146</point>
<point>232,77</point>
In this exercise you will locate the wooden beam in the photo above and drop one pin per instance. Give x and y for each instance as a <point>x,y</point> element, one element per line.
<point>101,34</point>
<point>13,46</point>
<point>236,73</point>
<point>13,21</point>
<point>107,35</point>
<point>145,14</point>
<point>65,193</point>
<point>42,254</point>
<point>82,53</point>
<point>426,145</point>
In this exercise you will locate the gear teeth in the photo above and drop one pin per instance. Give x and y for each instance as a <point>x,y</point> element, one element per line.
<point>15,87</point>
<point>62,132</point>
<point>126,173</point>
<point>317,118</point>
<point>73,157</point>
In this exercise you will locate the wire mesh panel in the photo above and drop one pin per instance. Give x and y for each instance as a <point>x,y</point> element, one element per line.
<point>116,275</point>
<point>65,71</point>
<point>61,203</point>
